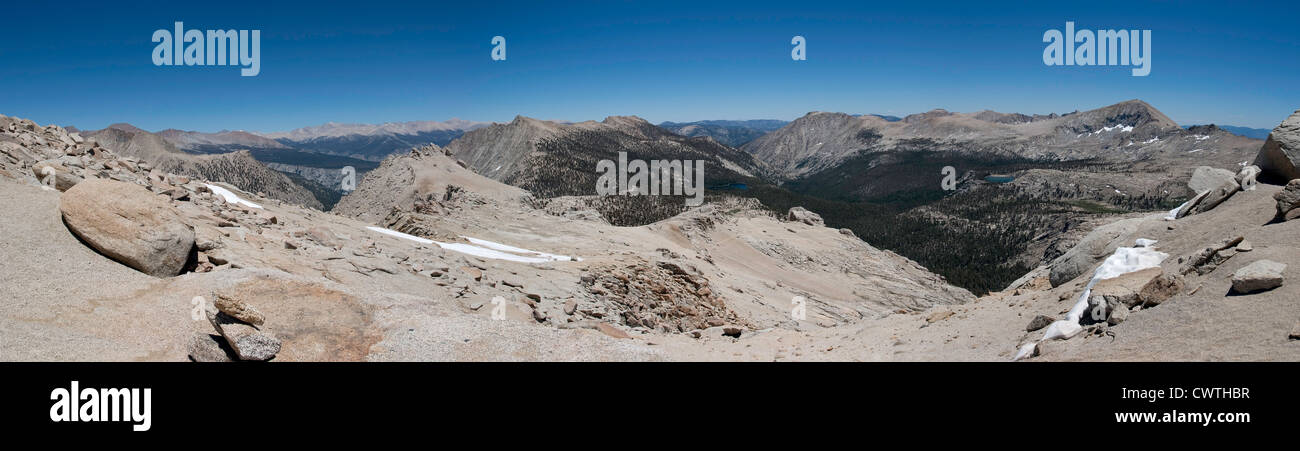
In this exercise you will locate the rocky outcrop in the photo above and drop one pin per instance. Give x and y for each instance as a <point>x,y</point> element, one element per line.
<point>1280,156</point>
<point>800,214</point>
<point>1142,288</point>
<point>1214,197</point>
<point>1258,276</point>
<point>127,223</point>
<point>1213,186</point>
<point>1209,258</point>
<point>1288,201</point>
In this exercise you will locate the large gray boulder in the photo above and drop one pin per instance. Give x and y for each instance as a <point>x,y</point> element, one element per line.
<point>129,224</point>
<point>1206,178</point>
<point>1094,246</point>
<point>1280,156</point>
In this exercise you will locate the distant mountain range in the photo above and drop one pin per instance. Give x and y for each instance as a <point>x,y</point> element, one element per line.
<point>1257,133</point>
<point>373,142</point>
<point>731,133</point>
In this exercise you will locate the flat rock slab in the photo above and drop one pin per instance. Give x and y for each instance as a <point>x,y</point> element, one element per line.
<point>1258,276</point>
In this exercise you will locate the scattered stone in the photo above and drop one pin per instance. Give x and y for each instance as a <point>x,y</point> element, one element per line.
<point>938,316</point>
<point>321,236</point>
<point>539,316</point>
<point>570,306</point>
<point>1295,332</point>
<point>247,341</point>
<point>473,273</point>
<point>1039,322</point>
<point>1117,315</point>
<point>611,331</point>
<point>208,348</point>
<point>1207,259</point>
<point>239,310</point>
<point>512,281</point>
<point>127,223</point>
<point>732,331</point>
<point>1244,246</point>
<point>1160,290</point>
<point>1258,276</point>
<point>800,214</point>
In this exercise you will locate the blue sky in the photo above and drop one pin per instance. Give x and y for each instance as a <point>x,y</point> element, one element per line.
<point>90,65</point>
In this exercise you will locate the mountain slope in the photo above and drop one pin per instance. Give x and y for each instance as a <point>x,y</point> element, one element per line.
<point>236,168</point>
<point>1025,186</point>
<point>552,159</point>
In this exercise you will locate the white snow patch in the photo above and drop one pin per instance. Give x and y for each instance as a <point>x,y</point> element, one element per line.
<point>483,248</point>
<point>1121,128</point>
<point>1201,137</point>
<point>516,250</point>
<point>1125,260</point>
<point>1195,150</point>
<point>400,235</point>
<point>229,196</point>
<point>1173,214</point>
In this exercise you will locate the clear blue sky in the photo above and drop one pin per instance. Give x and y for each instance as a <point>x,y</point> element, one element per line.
<point>90,65</point>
